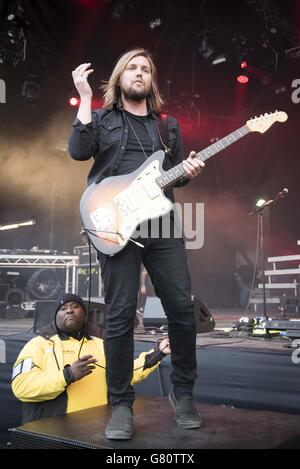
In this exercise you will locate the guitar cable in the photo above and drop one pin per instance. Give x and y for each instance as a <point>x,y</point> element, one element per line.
<point>88,311</point>
<point>92,232</point>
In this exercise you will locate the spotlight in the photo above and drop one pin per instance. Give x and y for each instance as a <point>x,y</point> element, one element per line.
<point>280,89</point>
<point>73,101</point>
<point>15,27</point>
<point>209,49</point>
<point>219,59</point>
<point>260,202</point>
<point>242,76</point>
<point>18,224</point>
<point>243,79</point>
<point>155,23</point>
<point>14,34</point>
<point>18,21</point>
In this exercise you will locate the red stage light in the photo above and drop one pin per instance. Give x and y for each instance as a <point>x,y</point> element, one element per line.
<point>242,79</point>
<point>73,101</point>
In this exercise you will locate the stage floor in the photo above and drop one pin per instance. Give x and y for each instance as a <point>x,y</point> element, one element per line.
<point>224,427</point>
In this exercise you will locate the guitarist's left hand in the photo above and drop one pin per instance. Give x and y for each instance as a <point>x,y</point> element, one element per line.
<point>192,166</point>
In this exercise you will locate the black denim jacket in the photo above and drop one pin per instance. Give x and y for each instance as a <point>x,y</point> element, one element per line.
<point>105,139</point>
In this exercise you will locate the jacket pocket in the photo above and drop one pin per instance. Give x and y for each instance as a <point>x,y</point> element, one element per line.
<point>109,133</point>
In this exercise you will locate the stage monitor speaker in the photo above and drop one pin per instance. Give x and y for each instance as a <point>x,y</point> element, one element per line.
<point>154,315</point>
<point>204,319</point>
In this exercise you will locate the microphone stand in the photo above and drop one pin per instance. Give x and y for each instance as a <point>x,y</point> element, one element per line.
<point>260,211</point>
<point>262,250</point>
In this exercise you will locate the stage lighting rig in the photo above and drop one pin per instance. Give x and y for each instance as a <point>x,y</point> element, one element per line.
<point>18,224</point>
<point>14,31</point>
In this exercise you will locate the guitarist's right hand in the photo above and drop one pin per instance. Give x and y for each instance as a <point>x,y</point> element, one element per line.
<point>80,78</point>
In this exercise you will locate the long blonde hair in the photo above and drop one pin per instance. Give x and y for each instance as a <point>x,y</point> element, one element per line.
<point>111,88</point>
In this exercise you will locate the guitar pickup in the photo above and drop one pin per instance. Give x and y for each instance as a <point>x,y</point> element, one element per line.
<point>151,189</point>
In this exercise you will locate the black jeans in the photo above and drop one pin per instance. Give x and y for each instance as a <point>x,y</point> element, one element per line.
<point>166,263</point>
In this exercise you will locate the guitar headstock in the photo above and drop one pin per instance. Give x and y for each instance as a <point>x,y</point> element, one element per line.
<point>265,121</point>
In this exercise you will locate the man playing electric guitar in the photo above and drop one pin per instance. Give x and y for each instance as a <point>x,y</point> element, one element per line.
<point>121,137</point>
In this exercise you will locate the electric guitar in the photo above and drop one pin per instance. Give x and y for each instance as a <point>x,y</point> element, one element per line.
<point>112,210</point>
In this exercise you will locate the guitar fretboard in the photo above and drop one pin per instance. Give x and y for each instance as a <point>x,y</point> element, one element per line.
<point>170,177</point>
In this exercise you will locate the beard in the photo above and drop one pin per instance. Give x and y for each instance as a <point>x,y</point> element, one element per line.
<point>136,95</point>
<point>73,328</point>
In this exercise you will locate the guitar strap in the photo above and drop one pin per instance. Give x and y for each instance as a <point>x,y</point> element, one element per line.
<point>163,132</point>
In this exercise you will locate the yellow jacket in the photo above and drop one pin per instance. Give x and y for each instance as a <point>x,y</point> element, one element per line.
<point>38,376</point>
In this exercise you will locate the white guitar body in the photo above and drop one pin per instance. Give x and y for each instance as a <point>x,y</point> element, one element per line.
<point>112,209</point>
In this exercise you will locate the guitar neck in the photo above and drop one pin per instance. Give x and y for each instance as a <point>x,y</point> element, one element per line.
<point>170,177</point>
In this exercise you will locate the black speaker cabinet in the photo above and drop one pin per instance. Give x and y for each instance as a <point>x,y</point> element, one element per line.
<point>154,315</point>
<point>204,320</point>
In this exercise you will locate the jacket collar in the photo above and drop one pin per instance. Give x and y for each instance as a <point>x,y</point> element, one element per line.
<point>52,329</point>
<point>120,108</point>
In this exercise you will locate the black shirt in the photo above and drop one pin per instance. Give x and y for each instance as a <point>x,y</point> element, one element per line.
<point>138,140</point>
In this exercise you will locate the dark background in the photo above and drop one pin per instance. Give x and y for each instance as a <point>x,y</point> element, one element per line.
<point>39,180</point>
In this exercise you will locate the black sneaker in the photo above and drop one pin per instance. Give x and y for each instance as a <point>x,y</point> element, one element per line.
<point>186,414</point>
<point>120,426</point>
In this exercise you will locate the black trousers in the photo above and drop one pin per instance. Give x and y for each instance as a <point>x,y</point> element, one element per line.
<point>166,263</point>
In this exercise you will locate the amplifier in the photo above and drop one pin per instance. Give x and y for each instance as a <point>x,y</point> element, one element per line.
<point>83,281</point>
<point>84,255</point>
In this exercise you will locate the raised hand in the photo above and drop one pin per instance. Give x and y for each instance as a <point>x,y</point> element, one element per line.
<point>80,77</point>
<point>83,367</point>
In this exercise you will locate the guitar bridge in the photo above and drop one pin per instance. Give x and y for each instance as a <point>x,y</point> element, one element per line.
<point>126,201</point>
